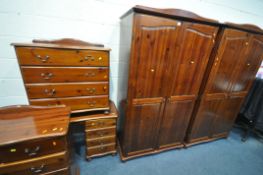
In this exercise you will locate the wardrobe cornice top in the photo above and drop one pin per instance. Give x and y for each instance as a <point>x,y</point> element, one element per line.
<point>190,16</point>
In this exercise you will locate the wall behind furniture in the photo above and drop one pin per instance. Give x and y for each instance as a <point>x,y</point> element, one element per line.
<point>93,21</point>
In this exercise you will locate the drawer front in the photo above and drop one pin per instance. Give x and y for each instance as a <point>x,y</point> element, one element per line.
<point>67,90</point>
<point>100,149</point>
<point>38,166</point>
<point>64,171</point>
<point>100,123</point>
<point>63,74</point>
<point>92,134</point>
<point>61,57</point>
<point>31,149</point>
<point>101,141</point>
<point>76,103</point>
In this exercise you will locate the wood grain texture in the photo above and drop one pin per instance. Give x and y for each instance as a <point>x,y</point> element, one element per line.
<point>61,57</point>
<point>63,74</point>
<point>42,164</point>
<point>32,122</point>
<point>31,149</point>
<point>55,90</point>
<point>75,103</point>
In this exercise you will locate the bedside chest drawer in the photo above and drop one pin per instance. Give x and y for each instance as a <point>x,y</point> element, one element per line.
<point>31,149</point>
<point>61,57</point>
<point>67,89</point>
<point>100,123</point>
<point>63,74</point>
<point>34,166</point>
<point>101,141</point>
<point>102,149</point>
<point>76,103</point>
<point>91,134</point>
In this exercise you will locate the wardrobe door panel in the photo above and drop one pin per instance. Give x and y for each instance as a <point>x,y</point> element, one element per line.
<point>231,50</point>
<point>202,127</point>
<point>249,66</point>
<point>189,61</point>
<point>154,37</point>
<point>142,121</point>
<point>227,113</point>
<point>175,120</point>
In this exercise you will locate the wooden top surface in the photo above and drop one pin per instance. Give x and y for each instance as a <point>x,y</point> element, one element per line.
<point>95,115</point>
<point>22,123</point>
<point>190,16</point>
<point>177,13</point>
<point>65,43</point>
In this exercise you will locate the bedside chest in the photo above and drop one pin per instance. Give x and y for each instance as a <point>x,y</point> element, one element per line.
<point>100,132</point>
<point>33,140</point>
<point>66,71</point>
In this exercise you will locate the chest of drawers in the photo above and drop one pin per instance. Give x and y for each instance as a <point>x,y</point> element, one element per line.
<point>66,71</point>
<point>33,140</point>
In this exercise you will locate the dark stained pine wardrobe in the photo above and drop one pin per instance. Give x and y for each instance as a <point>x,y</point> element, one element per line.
<point>182,78</point>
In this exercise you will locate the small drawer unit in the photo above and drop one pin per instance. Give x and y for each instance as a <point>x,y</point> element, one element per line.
<point>100,132</point>
<point>67,71</point>
<point>38,144</point>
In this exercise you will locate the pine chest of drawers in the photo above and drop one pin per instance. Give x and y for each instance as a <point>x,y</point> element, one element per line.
<point>33,140</point>
<point>67,71</point>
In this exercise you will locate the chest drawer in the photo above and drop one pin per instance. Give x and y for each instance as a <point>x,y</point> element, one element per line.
<point>67,90</point>
<point>61,57</point>
<point>37,165</point>
<point>100,123</point>
<point>76,103</point>
<point>31,149</point>
<point>92,134</point>
<point>63,74</point>
<point>101,141</point>
<point>100,149</point>
<point>64,171</point>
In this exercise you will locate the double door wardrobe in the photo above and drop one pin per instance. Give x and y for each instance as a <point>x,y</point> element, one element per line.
<point>183,78</point>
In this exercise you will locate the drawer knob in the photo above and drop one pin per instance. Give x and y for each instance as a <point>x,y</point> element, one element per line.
<point>152,70</point>
<point>91,90</point>
<point>102,147</point>
<point>50,92</point>
<point>32,152</point>
<point>100,58</point>
<point>37,169</point>
<point>105,88</point>
<point>47,75</point>
<point>43,59</point>
<point>90,74</point>
<point>248,64</point>
<point>192,62</point>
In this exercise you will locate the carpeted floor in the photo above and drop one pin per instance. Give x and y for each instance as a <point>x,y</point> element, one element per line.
<point>223,157</point>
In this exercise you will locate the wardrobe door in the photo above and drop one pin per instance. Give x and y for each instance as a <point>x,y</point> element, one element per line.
<point>141,130</point>
<point>152,40</point>
<point>187,64</point>
<point>214,102</point>
<point>249,65</point>
<point>154,37</point>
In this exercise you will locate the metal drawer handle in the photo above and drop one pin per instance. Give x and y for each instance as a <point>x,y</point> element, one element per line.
<point>91,103</point>
<point>89,57</point>
<point>46,76</point>
<point>37,170</point>
<point>43,59</point>
<point>91,90</point>
<point>32,152</point>
<point>90,74</point>
<point>50,92</point>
